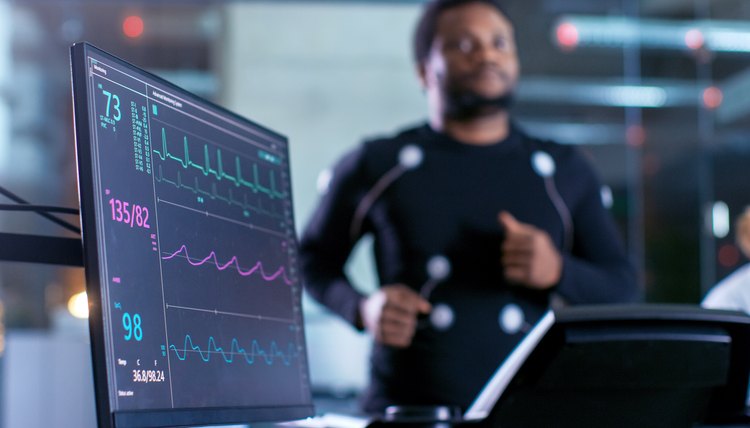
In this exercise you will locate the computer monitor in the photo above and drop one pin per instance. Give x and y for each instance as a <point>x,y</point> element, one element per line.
<point>190,254</point>
<point>623,366</point>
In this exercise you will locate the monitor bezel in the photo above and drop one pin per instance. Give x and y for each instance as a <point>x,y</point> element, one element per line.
<point>726,402</point>
<point>106,417</point>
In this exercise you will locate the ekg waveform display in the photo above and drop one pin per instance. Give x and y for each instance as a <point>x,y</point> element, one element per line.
<point>236,352</point>
<point>201,293</point>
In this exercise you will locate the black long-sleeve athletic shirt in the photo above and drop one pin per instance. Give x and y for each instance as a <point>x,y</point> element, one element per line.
<point>448,205</point>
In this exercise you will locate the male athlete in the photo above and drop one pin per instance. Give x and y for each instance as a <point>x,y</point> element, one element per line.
<point>476,224</point>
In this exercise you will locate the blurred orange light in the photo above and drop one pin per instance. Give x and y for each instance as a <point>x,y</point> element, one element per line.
<point>712,97</point>
<point>635,136</point>
<point>132,26</point>
<point>567,36</point>
<point>694,39</point>
<point>78,305</point>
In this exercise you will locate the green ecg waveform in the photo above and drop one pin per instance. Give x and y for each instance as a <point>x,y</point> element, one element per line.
<point>219,172</point>
<point>214,194</point>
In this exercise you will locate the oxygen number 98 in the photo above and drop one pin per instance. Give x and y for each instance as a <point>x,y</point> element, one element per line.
<point>132,326</point>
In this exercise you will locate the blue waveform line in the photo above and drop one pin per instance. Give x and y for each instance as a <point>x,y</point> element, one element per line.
<point>256,351</point>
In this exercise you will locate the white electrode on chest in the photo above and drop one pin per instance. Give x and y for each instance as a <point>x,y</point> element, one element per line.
<point>511,318</point>
<point>442,317</point>
<point>410,156</point>
<point>438,268</point>
<point>543,164</point>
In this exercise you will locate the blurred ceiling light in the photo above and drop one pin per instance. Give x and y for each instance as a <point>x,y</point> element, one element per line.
<point>577,133</point>
<point>132,26</point>
<point>616,32</point>
<point>712,97</point>
<point>635,96</point>
<point>729,37</point>
<point>655,93</point>
<point>720,219</point>
<point>78,305</point>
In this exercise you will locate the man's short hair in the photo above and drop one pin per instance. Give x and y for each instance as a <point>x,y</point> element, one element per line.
<point>427,25</point>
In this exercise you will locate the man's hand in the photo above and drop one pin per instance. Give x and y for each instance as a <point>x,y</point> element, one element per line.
<point>529,257</point>
<point>390,314</point>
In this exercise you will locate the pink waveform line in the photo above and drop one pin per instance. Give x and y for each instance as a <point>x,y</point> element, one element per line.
<point>233,261</point>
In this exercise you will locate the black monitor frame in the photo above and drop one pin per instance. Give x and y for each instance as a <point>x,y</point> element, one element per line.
<point>540,382</point>
<point>106,417</point>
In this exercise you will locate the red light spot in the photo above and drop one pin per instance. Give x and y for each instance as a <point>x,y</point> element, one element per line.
<point>728,255</point>
<point>567,36</point>
<point>635,136</point>
<point>694,39</point>
<point>712,97</point>
<point>132,26</point>
<point>651,164</point>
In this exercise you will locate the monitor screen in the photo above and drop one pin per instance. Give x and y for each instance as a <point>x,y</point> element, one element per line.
<point>190,254</point>
<point>623,366</point>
